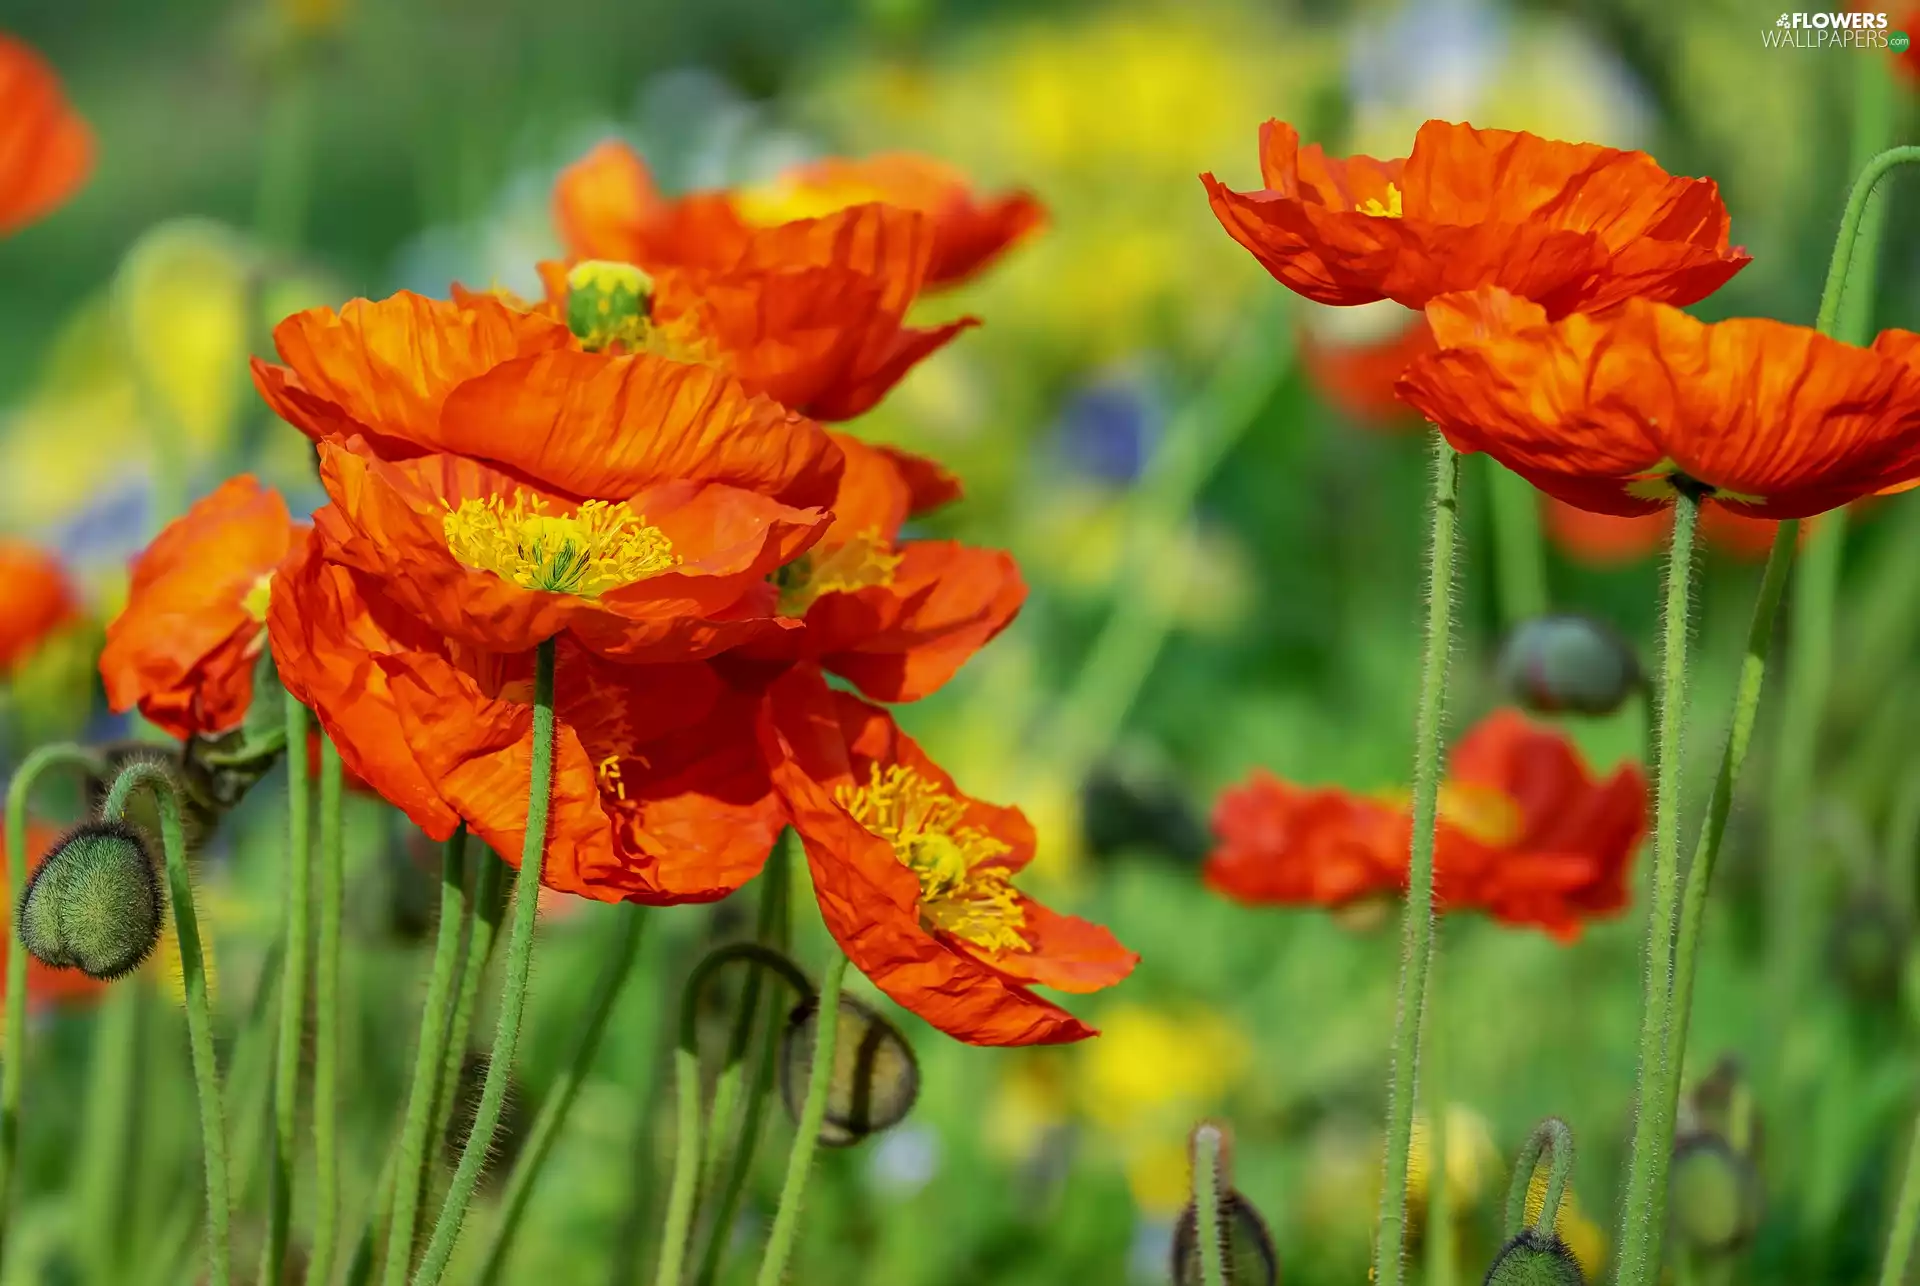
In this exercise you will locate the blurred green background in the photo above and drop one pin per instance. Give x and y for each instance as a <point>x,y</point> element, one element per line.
<point>1134,422</point>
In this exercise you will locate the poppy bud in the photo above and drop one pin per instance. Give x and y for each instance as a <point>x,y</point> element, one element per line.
<point>1535,1258</point>
<point>1713,1196</point>
<point>1567,663</point>
<point>1246,1247</point>
<point>198,814</point>
<point>94,903</point>
<point>875,1075</point>
<point>608,302</point>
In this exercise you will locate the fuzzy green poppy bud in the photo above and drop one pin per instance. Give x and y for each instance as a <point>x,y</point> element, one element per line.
<point>1247,1254</point>
<point>1713,1195</point>
<point>94,904</point>
<point>1535,1258</point>
<point>1568,664</point>
<point>875,1075</point>
<point>608,302</point>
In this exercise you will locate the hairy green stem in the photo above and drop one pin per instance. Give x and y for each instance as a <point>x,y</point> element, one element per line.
<point>1641,1223</point>
<point>206,1072</point>
<point>1417,941</point>
<point>1906,1219</point>
<point>1553,1140</point>
<point>107,1143</point>
<point>415,1154</point>
<point>283,1147</point>
<point>513,995</point>
<point>806,1138</point>
<point>1208,1235</point>
<point>1520,562</point>
<point>1441,1250</point>
<point>475,954</point>
<point>326,1018</point>
<point>13,1046</point>
<point>618,957</point>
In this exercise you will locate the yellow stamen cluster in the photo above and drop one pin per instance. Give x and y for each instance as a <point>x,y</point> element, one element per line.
<point>864,561</point>
<point>1389,210</point>
<point>257,598</point>
<point>596,548</point>
<point>1485,813</point>
<point>961,893</point>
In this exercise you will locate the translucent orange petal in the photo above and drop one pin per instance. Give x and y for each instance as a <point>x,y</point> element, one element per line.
<point>46,148</point>
<point>35,600</point>
<point>1281,844</point>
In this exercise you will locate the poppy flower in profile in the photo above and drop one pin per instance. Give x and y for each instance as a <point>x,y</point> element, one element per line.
<point>1573,226</point>
<point>46,149</point>
<point>184,648</point>
<point>1615,411</point>
<point>45,984</point>
<point>915,878</point>
<point>1608,540</point>
<point>1527,835</point>
<point>659,792</point>
<point>35,600</point>
<point>897,618</point>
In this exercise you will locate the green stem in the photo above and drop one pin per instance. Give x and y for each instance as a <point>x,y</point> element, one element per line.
<point>1417,943</point>
<point>1553,1140</point>
<point>108,1141</point>
<point>414,1153</point>
<point>326,1018</point>
<point>786,1219</point>
<point>206,1072</point>
<point>1641,1222</point>
<point>1442,1254</point>
<point>1902,847</point>
<point>1519,555</point>
<point>1906,1219</point>
<point>513,996</point>
<point>1207,1232</point>
<point>283,1146</point>
<point>13,1045</point>
<point>619,957</point>
<point>476,953</point>
<point>360,1267</point>
<point>280,203</point>
<point>773,931</point>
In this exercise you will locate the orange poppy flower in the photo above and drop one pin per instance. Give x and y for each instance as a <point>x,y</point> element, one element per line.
<point>1357,379</point>
<point>1574,226</point>
<point>1607,540</point>
<point>46,149</point>
<point>1526,835</point>
<point>897,618</point>
<point>1907,63</point>
<point>35,600</point>
<point>607,208</point>
<point>45,984</point>
<point>1611,411</point>
<point>915,877</point>
<point>184,647</point>
<point>478,377</point>
<point>659,792</point>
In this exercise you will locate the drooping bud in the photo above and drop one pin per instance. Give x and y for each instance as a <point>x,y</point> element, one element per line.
<point>197,815</point>
<point>875,1075</point>
<point>1713,1195</point>
<point>608,302</point>
<point>1568,664</point>
<point>1534,1258</point>
<point>94,903</point>
<point>1247,1256</point>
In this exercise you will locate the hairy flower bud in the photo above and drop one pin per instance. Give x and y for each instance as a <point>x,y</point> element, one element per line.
<point>875,1075</point>
<point>608,302</point>
<point>1247,1254</point>
<point>94,903</point>
<point>1568,664</point>
<point>1535,1259</point>
<point>1713,1195</point>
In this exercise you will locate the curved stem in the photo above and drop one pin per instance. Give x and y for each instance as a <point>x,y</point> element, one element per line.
<point>414,1151</point>
<point>619,956</point>
<point>13,1067</point>
<point>806,1138</point>
<point>1207,1232</point>
<point>206,1072</point>
<point>513,996</point>
<point>283,1146</point>
<point>1417,942</point>
<point>326,1018</point>
<point>1552,1139</point>
<point>1641,1222</point>
<point>1520,560</point>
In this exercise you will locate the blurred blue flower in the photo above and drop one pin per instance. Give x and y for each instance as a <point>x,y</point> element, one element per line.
<point>1108,429</point>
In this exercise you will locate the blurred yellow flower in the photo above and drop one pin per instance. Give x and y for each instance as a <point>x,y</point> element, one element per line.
<point>1472,1159</point>
<point>1155,1065</point>
<point>1028,1104</point>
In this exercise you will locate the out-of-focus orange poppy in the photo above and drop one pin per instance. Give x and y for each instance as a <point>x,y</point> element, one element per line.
<point>1574,226</point>
<point>511,387</point>
<point>1526,835</point>
<point>1358,378</point>
<point>915,877</point>
<point>1609,540</point>
<point>1612,411</point>
<point>35,600</point>
<point>659,791</point>
<point>184,647</point>
<point>1907,63</point>
<point>898,618</point>
<point>45,985</point>
<point>608,208</point>
<point>810,312</point>
<point>46,149</point>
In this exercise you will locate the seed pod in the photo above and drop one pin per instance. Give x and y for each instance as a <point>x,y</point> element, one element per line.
<point>1247,1252</point>
<point>1713,1195</point>
<point>608,302</point>
<point>875,1075</point>
<point>1568,664</point>
<point>94,904</point>
<point>1535,1259</point>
